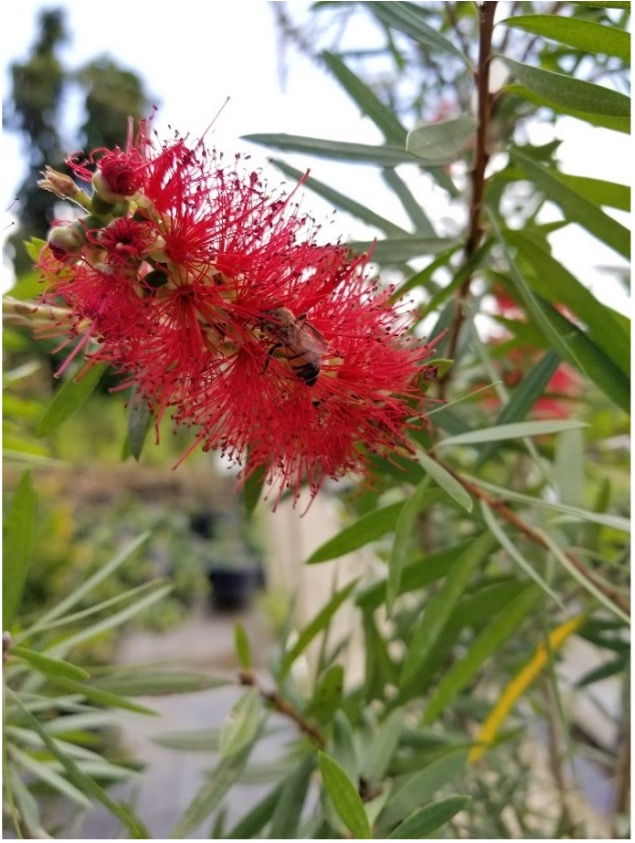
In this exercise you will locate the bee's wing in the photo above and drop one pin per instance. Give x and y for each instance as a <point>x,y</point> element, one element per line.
<point>313,339</point>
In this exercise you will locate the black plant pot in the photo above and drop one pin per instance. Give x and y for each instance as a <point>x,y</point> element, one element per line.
<point>232,588</point>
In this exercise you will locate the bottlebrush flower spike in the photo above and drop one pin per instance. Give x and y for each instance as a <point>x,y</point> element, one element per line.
<point>212,293</point>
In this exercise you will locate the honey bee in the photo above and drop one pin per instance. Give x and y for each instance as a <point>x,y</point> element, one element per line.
<point>298,342</point>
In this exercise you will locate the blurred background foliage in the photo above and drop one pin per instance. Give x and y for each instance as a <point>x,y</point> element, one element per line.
<point>460,596</point>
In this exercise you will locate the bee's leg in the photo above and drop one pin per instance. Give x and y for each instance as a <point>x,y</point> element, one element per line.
<point>270,354</point>
<point>301,317</point>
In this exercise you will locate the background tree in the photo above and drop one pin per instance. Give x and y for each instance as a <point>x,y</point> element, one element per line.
<point>35,106</point>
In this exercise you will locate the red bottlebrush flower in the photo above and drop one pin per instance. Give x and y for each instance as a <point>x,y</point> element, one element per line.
<point>215,297</point>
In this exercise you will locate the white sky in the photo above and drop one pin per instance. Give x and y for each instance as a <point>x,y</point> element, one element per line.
<point>192,54</point>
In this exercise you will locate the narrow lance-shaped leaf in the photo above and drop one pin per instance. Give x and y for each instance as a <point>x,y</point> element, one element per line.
<point>447,481</point>
<point>482,647</point>
<point>84,783</point>
<point>357,153</point>
<point>575,207</point>
<point>369,527</point>
<point>511,431</point>
<point>439,608</point>
<point>401,544</point>
<point>581,34</point>
<point>570,92</point>
<point>340,200</point>
<point>423,822</point>
<point>243,648</point>
<point>531,388</point>
<point>315,626</point>
<point>241,727</point>
<point>346,799</point>
<point>293,793</point>
<point>49,666</point>
<point>410,19</point>
<point>69,398</point>
<point>17,548</point>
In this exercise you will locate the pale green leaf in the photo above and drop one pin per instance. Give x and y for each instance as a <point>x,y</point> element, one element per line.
<point>49,666</point>
<point>508,545</point>
<point>386,155</point>
<point>441,143</point>
<point>515,430</point>
<point>241,727</point>
<point>447,481</point>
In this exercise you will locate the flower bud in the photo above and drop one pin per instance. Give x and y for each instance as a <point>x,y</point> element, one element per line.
<point>67,239</point>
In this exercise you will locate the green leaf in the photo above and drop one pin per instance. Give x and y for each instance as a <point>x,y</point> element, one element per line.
<point>254,820</point>
<point>86,587</point>
<point>80,780</point>
<point>416,574</point>
<point>386,155</point>
<point>85,634</point>
<point>294,788</point>
<point>573,93</point>
<point>47,774</point>
<point>191,740</point>
<point>605,121</point>
<point>401,545</point>
<point>441,605</point>
<point>441,143</point>
<point>553,282</point>
<point>243,649</point>
<point>366,529</point>
<point>241,727</point>
<point>380,751</point>
<point>157,680</point>
<point>328,694</point>
<point>411,20</point>
<point>598,191</point>
<point>446,480</point>
<point>511,431</point>
<point>585,355</point>
<point>507,544</point>
<point>344,795</point>
<point>423,822</point>
<point>33,246</point>
<point>69,398</point>
<point>381,115</point>
<point>497,631</point>
<point>139,423</point>
<point>531,388</point>
<point>416,789</point>
<point>581,34</point>
<point>17,547</point>
<point>48,666</point>
<point>340,200</point>
<point>252,490</point>
<point>615,522</point>
<point>398,250</point>
<point>210,794</point>
<point>574,206</point>
<point>314,627</point>
<point>410,203</point>
<point>97,695</point>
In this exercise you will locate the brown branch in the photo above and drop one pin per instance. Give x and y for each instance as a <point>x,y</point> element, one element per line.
<point>481,157</point>
<point>516,521</point>
<point>282,706</point>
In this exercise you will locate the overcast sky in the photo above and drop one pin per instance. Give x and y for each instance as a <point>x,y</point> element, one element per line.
<point>192,55</point>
